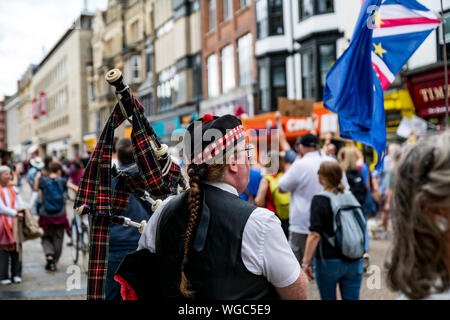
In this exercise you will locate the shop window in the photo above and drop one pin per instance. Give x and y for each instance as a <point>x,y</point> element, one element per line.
<point>308,8</point>
<point>269,18</point>
<point>228,81</point>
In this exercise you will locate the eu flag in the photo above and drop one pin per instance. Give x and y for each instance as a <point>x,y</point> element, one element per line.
<point>352,92</point>
<point>387,34</point>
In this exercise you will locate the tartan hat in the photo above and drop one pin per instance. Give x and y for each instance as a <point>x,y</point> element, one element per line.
<point>208,138</point>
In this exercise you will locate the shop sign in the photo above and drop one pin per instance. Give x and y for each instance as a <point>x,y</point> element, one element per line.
<point>428,93</point>
<point>165,128</point>
<point>322,119</point>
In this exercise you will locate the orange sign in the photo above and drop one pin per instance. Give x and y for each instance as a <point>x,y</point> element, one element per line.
<point>322,120</point>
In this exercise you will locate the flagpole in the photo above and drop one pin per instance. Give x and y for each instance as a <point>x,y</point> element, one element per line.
<point>445,65</point>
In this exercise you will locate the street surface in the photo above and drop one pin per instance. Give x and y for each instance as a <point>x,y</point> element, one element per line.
<point>39,284</point>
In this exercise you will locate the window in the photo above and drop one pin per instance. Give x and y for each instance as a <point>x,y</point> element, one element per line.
<point>308,8</point>
<point>166,89</point>
<point>269,18</point>
<point>245,3</point>
<point>227,9</point>
<point>91,91</point>
<point>213,76</point>
<point>308,81</point>
<point>327,57</point>
<point>150,62</point>
<point>134,31</point>
<point>264,83</point>
<point>133,69</point>
<point>245,60</point>
<point>228,81</point>
<point>272,81</point>
<point>165,28</point>
<point>317,58</point>
<point>212,14</point>
<point>147,103</point>
<point>197,70</point>
<point>447,38</point>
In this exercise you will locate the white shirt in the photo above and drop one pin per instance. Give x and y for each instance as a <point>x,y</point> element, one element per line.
<point>302,181</point>
<point>265,250</point>
<point>5,208</point>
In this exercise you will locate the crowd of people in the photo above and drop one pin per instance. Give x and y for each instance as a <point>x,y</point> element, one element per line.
<point>310,219</point>
<point>44,216</point>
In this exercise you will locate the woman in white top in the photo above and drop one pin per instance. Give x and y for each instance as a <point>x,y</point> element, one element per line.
<point>9,249</point>
<point>421,209</point>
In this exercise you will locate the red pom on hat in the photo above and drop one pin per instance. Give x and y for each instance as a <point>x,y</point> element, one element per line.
<point>207,118</point>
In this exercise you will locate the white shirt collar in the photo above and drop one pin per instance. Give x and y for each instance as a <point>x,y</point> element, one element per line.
<point>224,186</point>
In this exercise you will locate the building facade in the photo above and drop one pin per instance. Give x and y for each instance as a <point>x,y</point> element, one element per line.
<point>59,87</point>
<point>3,141</point>
<point>229,68</point>
<point>11,108</point>
<point>27,138</point>
<point>177,66</point>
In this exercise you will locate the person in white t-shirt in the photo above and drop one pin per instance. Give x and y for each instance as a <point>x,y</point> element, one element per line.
<point>301,180</point>
<point>231,249</point>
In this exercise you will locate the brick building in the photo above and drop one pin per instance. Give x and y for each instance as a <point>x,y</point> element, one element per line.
<point>229,69</point>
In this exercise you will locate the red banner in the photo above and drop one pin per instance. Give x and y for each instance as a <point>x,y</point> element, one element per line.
<point>43,103</point>
<point>35,109</point>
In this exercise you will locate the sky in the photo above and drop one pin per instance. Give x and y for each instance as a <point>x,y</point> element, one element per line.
<point>29,29</point>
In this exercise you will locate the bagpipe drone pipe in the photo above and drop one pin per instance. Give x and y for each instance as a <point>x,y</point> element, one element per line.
<point>156,178</point>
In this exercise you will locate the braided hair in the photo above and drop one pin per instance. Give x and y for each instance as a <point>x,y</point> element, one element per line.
<point>214,172</point>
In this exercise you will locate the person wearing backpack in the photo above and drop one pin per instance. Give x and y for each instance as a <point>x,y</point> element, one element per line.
<point>337,231</point>
<point>52,213</point>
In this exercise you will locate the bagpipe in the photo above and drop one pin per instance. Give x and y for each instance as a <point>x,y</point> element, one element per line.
<point>156,178</point>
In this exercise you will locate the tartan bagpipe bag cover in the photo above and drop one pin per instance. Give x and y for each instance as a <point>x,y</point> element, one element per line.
<point>95,193</point>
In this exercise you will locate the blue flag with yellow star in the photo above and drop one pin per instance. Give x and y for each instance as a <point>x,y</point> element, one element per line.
<point>386,35</point>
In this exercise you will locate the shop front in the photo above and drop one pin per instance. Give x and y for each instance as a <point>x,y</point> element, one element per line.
<point>169,126</point>
<point>427,89</point>
<point>397,105</point>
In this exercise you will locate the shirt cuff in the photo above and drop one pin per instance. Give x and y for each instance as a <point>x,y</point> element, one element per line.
<point>289,280</point>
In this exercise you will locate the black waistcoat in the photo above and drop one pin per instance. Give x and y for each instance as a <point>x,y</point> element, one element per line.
<point>217,272</point>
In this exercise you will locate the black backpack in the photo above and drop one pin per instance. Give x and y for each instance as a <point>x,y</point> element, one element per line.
<point>356,183</point>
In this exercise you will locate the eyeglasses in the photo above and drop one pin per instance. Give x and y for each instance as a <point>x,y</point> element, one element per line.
<point>249,149</point>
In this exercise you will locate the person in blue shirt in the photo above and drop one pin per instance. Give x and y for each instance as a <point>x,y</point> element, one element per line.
<point>123,240</point>
<point>251,191</point>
